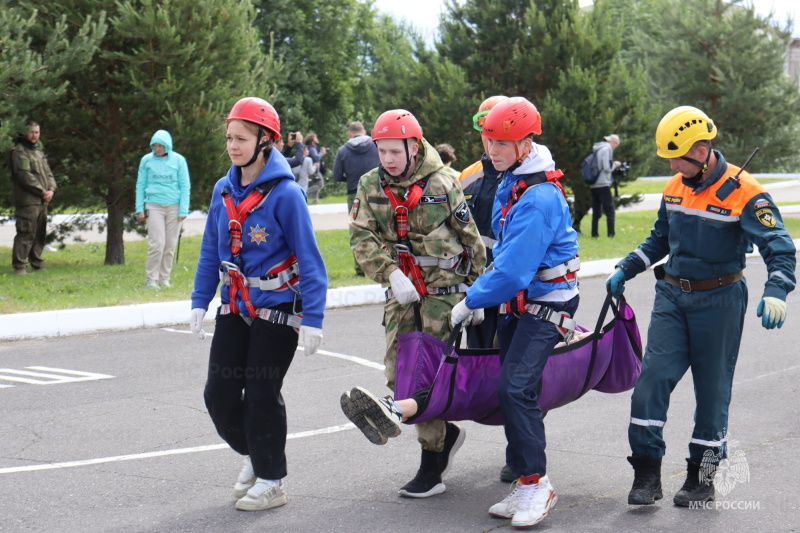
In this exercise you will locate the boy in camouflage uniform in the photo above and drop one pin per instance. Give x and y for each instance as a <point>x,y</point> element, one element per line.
<point>34,187</point>
<point>446,246</point>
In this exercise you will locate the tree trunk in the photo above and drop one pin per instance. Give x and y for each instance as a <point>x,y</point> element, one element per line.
<point>115,246</point>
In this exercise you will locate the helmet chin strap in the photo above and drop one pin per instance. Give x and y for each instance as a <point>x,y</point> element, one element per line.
<point>408,160</point>
<point>519,160</point>
<point>259,148</point>
<point>703,165</point>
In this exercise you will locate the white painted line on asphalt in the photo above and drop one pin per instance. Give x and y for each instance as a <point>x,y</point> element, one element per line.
<point>148,455</point>
<point>173,330</point>
<point>6,386</point>
<point>351,358</point>
<point>767,375</point>
<point>49,379</point>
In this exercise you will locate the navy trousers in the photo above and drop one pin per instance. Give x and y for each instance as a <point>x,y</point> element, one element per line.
<point>525,344</point>
<point>697,330</point>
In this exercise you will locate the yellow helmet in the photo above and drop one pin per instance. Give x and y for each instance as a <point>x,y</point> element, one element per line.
<point>680,129</point>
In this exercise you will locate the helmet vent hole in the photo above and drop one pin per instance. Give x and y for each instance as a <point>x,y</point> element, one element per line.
<point>672,146</point>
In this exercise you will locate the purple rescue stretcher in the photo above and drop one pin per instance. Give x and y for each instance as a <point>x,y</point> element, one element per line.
<point>463,382</point>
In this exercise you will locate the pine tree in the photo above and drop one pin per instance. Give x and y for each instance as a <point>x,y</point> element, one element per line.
<point>566,61</point>
<point>31,77</point>
<point>725,59</point>
<point>177,65</point>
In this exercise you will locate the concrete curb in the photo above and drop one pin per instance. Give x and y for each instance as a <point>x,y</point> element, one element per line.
<point>79,321</point>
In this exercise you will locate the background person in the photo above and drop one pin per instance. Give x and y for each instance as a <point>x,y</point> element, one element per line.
<point>316,178</point>
<point>441,236</point>
<point>264,299</point>
<point>602,199</point>
<point>34,188</point>
<point>162,200</point>
<point>705,224</point>
<point>448,156</point>
<point>355,158</point>
<point>479,182</point>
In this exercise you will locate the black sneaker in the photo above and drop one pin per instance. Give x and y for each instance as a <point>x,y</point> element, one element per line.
<point>427,482</point>
<point>354,414</point>
<point>380,412</point>
<point>453,439</point>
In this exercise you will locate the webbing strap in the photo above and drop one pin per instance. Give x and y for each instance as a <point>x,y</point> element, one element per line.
<point>405,260</point>
<point>523,184</point>
<point>236,217</point>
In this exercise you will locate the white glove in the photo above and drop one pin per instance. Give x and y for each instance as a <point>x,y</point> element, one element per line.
<point>477,317</point>
<point>310,338</point>
<point>196,322</point>
<point>403,288</point>
<point>461,313</point>
<point>772,312</point>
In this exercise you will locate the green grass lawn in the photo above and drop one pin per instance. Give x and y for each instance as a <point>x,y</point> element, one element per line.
<point>656,186</point>
<point>75,276</point>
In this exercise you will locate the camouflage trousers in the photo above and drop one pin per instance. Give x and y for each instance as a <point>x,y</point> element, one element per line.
<point>399,319</point>
<point>31,222</point>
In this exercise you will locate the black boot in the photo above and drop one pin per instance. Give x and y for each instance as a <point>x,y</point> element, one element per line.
<point>453,439</point>
<point>507,475</point>
<point>646,480</point>
<point>428,481</point>
<point>699,485</point>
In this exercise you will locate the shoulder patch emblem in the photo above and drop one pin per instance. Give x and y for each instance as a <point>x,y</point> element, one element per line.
<point>766,217</point>
<point>761,203</point>
<point>673,199</point>
<point>258,234</point>
<point>438,199</point>
<point>354,210</point>
<point>718,210</point>
<point>462,213</point>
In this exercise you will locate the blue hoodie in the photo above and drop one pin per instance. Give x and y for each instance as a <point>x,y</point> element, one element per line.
<point>281,226</point>
<point>163,180</point>
<point>537,233</point>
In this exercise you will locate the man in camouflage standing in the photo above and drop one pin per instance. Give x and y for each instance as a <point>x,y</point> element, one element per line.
<point>411,230</point>
<point>34,187</point>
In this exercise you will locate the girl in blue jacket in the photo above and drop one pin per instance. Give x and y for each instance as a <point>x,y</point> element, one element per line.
<point>260,243</point>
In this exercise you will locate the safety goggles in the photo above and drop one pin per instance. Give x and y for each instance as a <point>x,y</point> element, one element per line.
<point>478,119</point>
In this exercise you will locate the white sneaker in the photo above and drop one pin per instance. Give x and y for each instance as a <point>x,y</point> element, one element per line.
<point>265,494</point>
<point>354,414</point>
<point>165,283</point>
<point>151,284</point>
<point>533,503</point>
<point>506,508</point>
<point>246,479</point>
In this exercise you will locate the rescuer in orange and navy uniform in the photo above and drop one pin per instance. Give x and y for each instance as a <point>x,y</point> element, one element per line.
<point>707,217</point>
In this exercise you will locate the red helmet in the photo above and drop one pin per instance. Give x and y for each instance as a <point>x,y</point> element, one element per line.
<point>258,111</point>
<point>483,110</point>
<point>511,120</point>
<point>396,124</point>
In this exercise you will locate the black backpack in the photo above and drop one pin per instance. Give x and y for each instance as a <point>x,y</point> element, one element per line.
<point>589,169</point>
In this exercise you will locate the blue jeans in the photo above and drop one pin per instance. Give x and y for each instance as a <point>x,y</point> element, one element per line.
<point>525,345</point>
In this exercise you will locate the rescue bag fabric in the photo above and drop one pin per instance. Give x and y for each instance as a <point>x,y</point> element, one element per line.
<point>463,383</point>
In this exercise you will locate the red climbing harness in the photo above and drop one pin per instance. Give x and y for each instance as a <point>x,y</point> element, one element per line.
<point>405,259</point>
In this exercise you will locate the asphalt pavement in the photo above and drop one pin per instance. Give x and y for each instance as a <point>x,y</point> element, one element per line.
<point>108,432</point>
